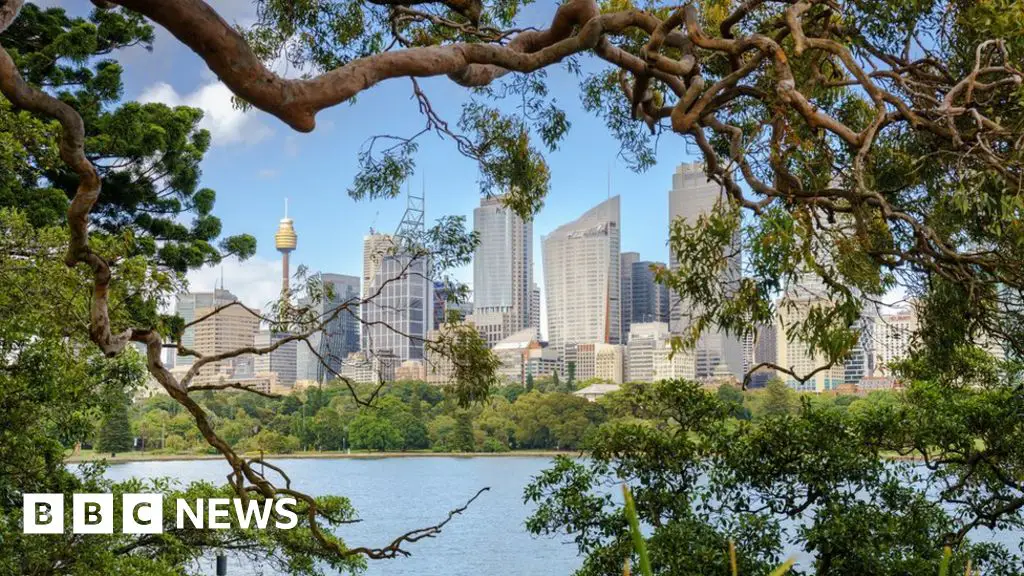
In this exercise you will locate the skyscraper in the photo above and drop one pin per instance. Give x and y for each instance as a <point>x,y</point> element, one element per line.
<point>229,329</point>
<point>186,307</point>
<point>692,196</point>
<point>799,356</point>
<point>535,310</point>
<point>340,336</point>
<point>581,278</point>
<point>400,292</point>
<point>280,361</point>
<point>502,264</point>
<point>626,261</point>
<point>649,298</point>
<point>400,306</point>
<point>285,240</point>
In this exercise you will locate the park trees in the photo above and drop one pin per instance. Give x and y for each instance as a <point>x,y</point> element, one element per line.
<point>878,145</point>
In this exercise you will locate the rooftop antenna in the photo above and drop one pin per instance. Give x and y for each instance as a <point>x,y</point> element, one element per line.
<point>285,206</point>
<point>411,226</point>
<point>222,277</point>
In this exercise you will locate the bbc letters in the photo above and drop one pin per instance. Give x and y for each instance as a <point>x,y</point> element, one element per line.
<point>144,513</point>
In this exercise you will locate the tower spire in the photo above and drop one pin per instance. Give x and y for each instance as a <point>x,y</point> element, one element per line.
<point>285,240</point>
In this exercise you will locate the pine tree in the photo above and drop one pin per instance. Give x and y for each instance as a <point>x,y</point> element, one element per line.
<point>115,433</point>
<point>464,440</point>
<point>529,382</point>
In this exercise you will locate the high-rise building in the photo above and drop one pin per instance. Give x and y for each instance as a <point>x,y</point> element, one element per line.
<point>535,310</point>
<point>765,345</point>
<point>649,298</point>
<point>626,261</point>
<point>229,329</point>
<point>280,361</point>
<point>339,338</point>
<point>798,356</point>
<point>186,307</point>
<point>692,196</point>
<point>503,264</point>
<point>646,340</point>
<point>444,306</point>
<point>398,290</point>
<point>581,278</point>
<point>399,306</point>
<point>285,240</point>
<point>861,362</point>
<point>892,336</point>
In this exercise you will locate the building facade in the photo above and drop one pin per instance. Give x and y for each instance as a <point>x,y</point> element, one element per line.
<point>646,340</point>
<point>582,279</point>
<point>503,264</point>
<point>399,298</point>
<point>339,338</point>
<point>892,336</point>
<point>692,196</point>
<point>649,299</point>
<point>535,309</point>
<point>798,356</point>
<point>281,361</point>
<point>227,330</point>
<point>626,261</point>
<point>186,305</point>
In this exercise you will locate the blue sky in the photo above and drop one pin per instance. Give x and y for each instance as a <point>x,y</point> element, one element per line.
<point>256,161</point>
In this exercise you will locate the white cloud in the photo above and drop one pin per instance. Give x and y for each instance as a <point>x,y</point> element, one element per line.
<point>227,125</point>
<point>256,282</point>
<point>267,174</point>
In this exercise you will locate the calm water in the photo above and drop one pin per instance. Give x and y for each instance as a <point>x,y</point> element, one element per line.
<point>394,495</point>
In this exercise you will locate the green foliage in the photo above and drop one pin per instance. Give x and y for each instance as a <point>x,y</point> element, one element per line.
<point>815,478</point>
<point>148,155</point>
<point>779,398</point>
<point>115,432</point>
<point>370,431</point>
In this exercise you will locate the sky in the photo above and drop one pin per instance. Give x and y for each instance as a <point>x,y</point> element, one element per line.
<point>256,161</point>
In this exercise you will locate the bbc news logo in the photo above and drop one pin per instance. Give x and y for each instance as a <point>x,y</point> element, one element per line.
<point>144,513</point>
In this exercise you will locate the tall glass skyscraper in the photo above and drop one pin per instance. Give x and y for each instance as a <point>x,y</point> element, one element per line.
<point>581,278</point>
<point>400,310</point>
<point>503,264</point>
<point>339,338</point>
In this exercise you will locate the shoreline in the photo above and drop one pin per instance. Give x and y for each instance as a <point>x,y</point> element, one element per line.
<point>150,457</point>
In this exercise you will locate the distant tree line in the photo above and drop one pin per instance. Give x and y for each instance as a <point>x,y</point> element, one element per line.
<point>413,416</point>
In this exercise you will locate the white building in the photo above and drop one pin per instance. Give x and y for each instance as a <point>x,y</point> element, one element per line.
<point>594,391</point>
<point>535,309</point>
<point>185,306</point>
<point>892,335</point>
<point>365,370</point>
<point>646,340</point>
<point>669,364</point>
<point>522,354</point>
<point>493,326</point>
<point>693,195</point>
<point>608,362</point>
<point>581,278</point>
<point>503,265</point>
<point>797,356</point>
